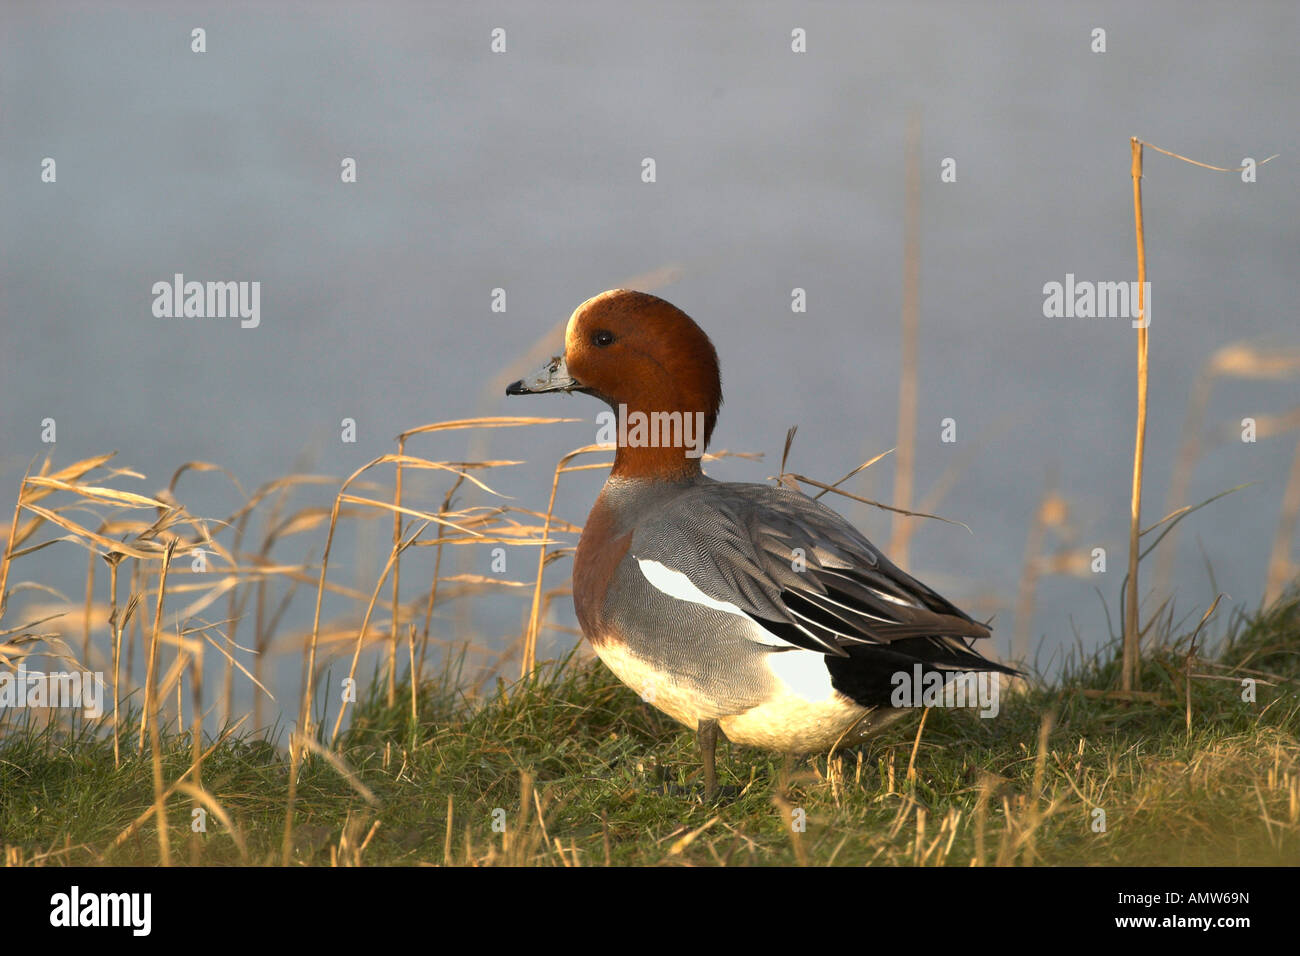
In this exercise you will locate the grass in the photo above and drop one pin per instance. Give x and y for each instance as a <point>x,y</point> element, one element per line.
<point>568,767</point>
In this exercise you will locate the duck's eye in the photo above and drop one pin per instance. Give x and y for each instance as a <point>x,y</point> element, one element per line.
<point>602,338</point>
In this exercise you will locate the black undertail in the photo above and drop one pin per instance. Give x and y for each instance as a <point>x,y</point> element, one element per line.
<point>866,675</point>
<point>870,629</point>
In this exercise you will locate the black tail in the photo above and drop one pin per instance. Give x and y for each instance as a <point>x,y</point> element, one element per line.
<point>867,675</point>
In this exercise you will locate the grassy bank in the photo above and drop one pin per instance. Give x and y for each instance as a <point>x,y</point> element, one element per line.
<point>569,767</point>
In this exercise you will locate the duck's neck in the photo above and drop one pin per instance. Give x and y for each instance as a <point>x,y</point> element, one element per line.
<point>657,464</point>
<point>663,445</point>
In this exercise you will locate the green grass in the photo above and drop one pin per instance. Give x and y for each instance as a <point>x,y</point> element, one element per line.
<point>618,782</point>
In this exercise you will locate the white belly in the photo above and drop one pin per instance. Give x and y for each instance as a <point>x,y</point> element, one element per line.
<point>789,724</point>
<point>786,721</point>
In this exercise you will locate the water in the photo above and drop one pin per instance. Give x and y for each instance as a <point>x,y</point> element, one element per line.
<point>775,170</point>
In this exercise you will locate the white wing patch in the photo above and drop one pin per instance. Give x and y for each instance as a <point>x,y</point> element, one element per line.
<point>677,585</point>
<point>804,672</point>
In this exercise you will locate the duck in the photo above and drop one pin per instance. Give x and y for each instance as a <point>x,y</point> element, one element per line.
<point>743,610</point>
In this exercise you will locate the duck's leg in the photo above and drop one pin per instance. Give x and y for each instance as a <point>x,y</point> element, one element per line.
<point>706,734</point>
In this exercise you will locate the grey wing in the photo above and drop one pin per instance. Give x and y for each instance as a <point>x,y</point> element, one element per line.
<point>796,567</point>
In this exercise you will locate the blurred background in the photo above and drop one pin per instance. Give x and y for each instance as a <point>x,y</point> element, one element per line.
<point>775,170</point>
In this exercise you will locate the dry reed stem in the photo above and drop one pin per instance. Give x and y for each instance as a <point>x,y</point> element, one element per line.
<point>875,504</point>
<point>151,716</point>
<point>916,746</point>
<point>1191,656</point>
<point>1196,162</point>
<point>437,570</point>
<point>904,471</point>
<point>862,467</point>
<point>151,668</point>
<point>397,569</point>
<point>1131,672</point>
<point>1130,676</point>
<point>528,660</point>
<point>365,623</point>
<point>117,627</point>
<point>196,741</point>
<point>446,843</point>
<point>413,676</point>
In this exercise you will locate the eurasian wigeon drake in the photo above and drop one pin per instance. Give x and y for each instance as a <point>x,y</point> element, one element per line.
<point>746,608</point>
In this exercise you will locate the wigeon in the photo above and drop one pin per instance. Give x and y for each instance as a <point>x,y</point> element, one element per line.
<point>748,609</point>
